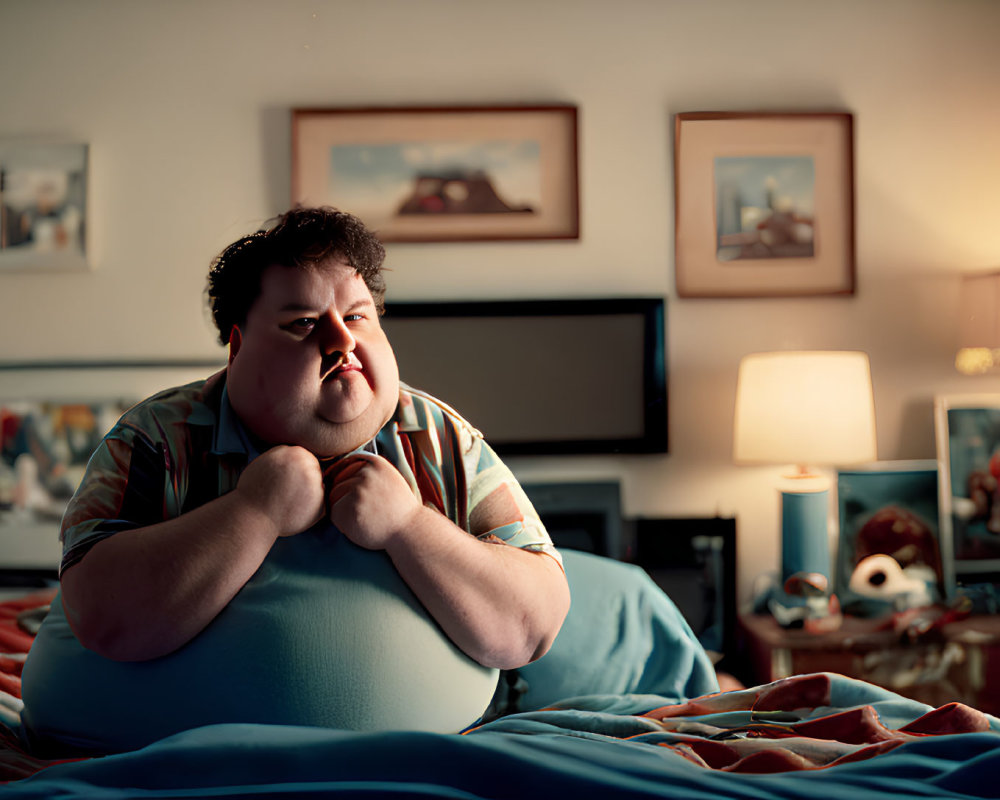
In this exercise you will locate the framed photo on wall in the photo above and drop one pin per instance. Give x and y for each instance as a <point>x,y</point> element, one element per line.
<point>967,433</point>
<point>416,174</point>
<point>43,206</point>
<point>764,204</point>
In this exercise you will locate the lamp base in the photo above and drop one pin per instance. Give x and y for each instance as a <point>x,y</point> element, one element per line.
<point>805,545</point>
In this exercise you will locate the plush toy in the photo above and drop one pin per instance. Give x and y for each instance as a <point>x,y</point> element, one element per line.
<point>882,577</point>
<point>897,560</point>
<point>984,492</point>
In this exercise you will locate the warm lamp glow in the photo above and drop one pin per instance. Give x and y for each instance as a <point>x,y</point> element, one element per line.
<point>979,307</point>
<point>977,360</point>
<point>811,407</point>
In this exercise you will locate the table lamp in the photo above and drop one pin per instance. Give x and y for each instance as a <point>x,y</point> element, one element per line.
<point>807,408</point>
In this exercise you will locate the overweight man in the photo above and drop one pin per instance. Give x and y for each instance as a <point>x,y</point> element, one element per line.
<point>298,539</point>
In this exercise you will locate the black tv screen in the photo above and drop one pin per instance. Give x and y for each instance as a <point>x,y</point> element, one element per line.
<point>542,376</point>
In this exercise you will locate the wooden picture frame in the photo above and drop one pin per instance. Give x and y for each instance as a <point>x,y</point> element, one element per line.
<point>967,434</point>
<point>764,204</point>
<point>43,206</point>
<point>445,174</point>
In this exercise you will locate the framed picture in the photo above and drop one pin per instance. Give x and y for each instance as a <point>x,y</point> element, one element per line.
<point>967,432</point>
<point>43,206</point>
<point>889,509</point>
<point>418,174</point>
<point>764,204</point>
<point>52,417</point>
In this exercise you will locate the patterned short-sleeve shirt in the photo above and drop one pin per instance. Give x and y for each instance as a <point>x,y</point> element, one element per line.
<point>184,446</point>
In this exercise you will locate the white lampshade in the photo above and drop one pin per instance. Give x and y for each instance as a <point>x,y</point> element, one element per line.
<point>804,407</point>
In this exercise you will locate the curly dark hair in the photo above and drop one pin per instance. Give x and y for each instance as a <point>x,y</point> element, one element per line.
<point>301,237</point>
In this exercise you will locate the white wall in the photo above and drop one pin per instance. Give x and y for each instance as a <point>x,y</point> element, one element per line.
<point>185,105</point>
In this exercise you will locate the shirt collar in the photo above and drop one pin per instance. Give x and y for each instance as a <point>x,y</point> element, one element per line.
<point>231,438</point>
<point>406,416</point>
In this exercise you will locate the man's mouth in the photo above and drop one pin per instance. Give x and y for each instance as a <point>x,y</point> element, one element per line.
<point>336,363</point>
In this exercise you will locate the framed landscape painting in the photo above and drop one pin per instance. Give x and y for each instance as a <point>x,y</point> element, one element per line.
<point>417,174</point>
<point>764,204</point>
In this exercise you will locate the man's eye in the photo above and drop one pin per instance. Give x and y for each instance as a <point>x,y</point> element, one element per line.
<point>302,325</point>
<point>353,317</point>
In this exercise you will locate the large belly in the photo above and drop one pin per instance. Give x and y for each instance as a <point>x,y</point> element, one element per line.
<point>326,633</point>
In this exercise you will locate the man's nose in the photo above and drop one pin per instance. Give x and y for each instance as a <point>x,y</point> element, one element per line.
<point>337,338</point>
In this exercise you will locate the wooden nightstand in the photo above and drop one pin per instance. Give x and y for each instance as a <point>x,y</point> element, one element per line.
<point>951,664</point>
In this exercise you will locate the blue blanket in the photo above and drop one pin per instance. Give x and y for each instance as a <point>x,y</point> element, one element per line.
<point>624,705</point>
<point>596,746</point>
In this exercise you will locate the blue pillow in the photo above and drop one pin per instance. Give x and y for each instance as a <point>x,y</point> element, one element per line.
<point>622,635</point>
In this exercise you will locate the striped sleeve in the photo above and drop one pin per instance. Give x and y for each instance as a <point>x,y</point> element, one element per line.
<point>495,496</point>
<point>123,488</point>
<point>449,464</point>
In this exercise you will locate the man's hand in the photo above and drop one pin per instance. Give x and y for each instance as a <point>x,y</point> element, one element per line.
<point>370,501</point>
<point>144,592</point>
<point>501,605</point>
<point>286,485</point>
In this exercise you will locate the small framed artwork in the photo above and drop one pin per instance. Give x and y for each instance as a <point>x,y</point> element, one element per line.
<point>967,433</point>
<point>889,510</point>
<point>44,449</point>
<point>43,206</point>
<point>53,415</point>
<point>417,174</point>
<point>764,204</point>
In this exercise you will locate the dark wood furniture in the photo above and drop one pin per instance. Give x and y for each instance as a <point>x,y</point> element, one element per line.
<point>960,661</point>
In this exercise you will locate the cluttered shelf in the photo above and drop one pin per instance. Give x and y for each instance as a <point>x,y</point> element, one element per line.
<point>928,658</point>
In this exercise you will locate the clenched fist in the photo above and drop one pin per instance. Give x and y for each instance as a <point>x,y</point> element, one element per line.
<point>286,484</point>
<point>370,501</point>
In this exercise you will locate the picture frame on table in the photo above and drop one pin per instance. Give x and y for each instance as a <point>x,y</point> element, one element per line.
<point>43,206</point>
<point>889,509</point>
<point>443,174</point>
<point>764,204</point>
<point>967,437</point>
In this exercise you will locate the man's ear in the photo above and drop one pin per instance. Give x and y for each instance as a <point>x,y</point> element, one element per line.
<point>235,341</point>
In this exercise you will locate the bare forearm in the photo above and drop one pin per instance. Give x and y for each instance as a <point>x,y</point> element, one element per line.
<point>501,605</point>
<point>143,593</point>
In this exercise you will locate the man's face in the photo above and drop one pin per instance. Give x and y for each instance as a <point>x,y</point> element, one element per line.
<point>312,366</point>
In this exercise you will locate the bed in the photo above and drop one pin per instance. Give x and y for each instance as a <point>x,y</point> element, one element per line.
<point>626,704</point>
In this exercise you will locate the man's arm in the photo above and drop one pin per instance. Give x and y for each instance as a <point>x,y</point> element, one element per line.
<point>143,593</point>
<point>501,605</point>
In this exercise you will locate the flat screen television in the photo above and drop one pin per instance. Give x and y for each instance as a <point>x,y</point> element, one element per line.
<point>542,377</point>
